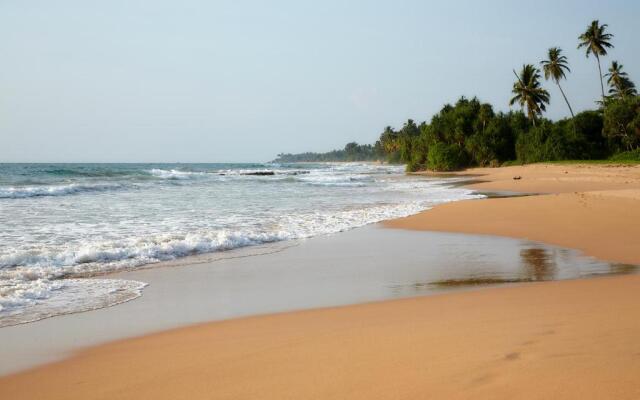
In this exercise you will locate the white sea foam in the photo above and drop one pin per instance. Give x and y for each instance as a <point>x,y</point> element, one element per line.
<point>176,174</point>
<point>51,262</point>
<point>50,250</point>
<point>35,300</point>
<point>20,192</point>
<point>330,178</point>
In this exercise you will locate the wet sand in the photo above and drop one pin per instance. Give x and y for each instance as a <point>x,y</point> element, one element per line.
<point>574,339</point>
<point>556,340</point>
<point>363,265</point>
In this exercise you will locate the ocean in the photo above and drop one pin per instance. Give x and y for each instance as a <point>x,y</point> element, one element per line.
<point>64,226</point>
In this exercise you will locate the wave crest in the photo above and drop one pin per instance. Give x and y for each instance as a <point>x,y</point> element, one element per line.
<point>175,174</point>
<point>21,192</point>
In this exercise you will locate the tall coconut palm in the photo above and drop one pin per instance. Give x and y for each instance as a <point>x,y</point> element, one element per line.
<point>596,42</point>
<point>529,93</point>
<point>619,83</point>
<point>555,67</point>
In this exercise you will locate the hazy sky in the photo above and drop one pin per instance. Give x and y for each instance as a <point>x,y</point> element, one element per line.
<point>218,81</point>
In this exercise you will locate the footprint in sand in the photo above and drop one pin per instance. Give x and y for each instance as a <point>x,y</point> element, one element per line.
<point>512,356</point>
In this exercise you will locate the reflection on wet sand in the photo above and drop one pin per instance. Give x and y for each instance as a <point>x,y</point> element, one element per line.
<point>624,269</point>
<point>474,281</point>
<point>537,262</point>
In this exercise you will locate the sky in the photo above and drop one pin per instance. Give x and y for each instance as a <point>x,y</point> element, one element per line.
<point>241,81</point>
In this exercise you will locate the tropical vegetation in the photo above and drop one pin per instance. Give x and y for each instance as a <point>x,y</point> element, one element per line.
<point>351,152</point>
<point>471,133</point>
<point>555,67</point>
<point>596,41</point>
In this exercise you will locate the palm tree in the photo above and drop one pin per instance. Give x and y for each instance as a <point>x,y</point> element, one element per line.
<point>619,83</point>
<point>597,42</point>
<point>555,67</point>
<point>529,93</point>
<point>389,140</point>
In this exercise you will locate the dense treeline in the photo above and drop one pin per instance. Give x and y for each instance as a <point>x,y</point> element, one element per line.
<point>472,133</point>
<point>351,152</point>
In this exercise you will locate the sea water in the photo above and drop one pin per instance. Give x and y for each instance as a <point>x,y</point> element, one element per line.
<point>64,226</point>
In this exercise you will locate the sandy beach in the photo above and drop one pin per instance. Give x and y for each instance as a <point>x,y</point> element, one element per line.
<point>592,208</point>
<point>561,340</point>
<point>573,339</point>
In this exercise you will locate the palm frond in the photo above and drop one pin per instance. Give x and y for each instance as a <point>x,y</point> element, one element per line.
<point>528,92</point>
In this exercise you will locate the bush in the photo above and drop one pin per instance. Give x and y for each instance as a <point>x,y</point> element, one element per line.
<point>492,144</point>
<point>445,157</point>
<point>633,155</point>
<point>584,133</point>
<point>622,122</point>
<point>546,142</point>
<point>530,146</point>
<point>413,166</point>
<point>470,133</point>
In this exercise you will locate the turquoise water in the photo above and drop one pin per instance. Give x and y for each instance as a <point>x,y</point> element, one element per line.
<point>64,223</point>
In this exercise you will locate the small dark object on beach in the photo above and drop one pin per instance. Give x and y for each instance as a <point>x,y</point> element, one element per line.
<point>517,178</point>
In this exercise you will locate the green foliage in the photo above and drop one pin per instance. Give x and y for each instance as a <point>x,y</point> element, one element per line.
<point>633,155</point>
<point>556,67</point>
<point>620,85</point>
<point>480,136</point>
<point>413,166</point>
<point>575,138</point>
<point>596,41</point>
<point>445,157</point>
<point>493,143</point>
<point>528,92</point>
<point>351,152</point>
<point>406,138</point>
<point>544,142</point>
<point>470,133</point>
<point>584,133</point>
<point>622,123</point>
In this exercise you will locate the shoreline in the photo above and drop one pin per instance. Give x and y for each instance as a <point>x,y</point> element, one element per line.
<point>368,264</point>
<point>380,319</point>
<point>391,349</point>
<point>590,208</point>
<point>197,209</point>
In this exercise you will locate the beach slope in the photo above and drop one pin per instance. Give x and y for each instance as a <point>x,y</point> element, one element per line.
<point>554,340</point>
<point>592,208</point>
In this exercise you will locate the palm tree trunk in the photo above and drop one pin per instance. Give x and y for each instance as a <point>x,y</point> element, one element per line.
<point>601,82</point>
<point>565,99</point>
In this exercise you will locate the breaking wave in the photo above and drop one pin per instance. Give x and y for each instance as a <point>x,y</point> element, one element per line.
<point>21,192</point>
<point>53,250</point>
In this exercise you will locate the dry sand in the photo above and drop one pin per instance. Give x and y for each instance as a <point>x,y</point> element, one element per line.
<point>555,340</point>
<point>556,178</point>
<point>593,208</point>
